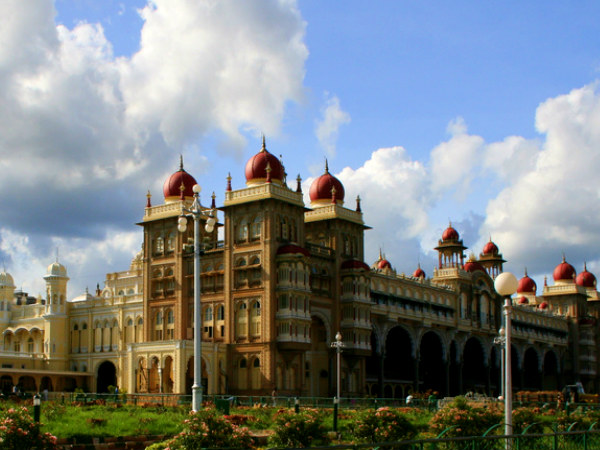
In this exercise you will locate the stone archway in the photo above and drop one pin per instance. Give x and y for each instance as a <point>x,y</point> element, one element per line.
<point>106,376</point>
<point>531,373</point>
<point>399,363</point>
<point>474,370</point>
<point>432,373</point>
<point>550,372</point>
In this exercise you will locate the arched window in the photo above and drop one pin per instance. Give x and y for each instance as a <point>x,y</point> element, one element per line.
<point>255,260</point>
<point>158,246</point>
<point>30,345</point>
<point>242,230</point>
<point>170,316</point>
<point>255,230</point>
<point>159,318</point>
<point>221,312</point>
<point>284,229</point>
<point>171,242</point>
<point>208,313</point>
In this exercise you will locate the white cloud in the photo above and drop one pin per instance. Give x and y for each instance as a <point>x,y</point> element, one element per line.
<point>83,134</point>
<point>555,205</point>
<point>453,161</point>
<point>327,128</point>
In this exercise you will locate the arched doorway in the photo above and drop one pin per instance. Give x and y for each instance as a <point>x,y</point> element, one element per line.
<point>107,376</point>
<point>374,376</point>
<point>550,372</point>
<point>318,359</point>
<point>399,364</point>
<point>432,372</point>
<point>531,375</point>
<point>168,375</point>
<point>46,384</point>
<point>495,372</point>
<point>474,371</point>
<point>27,384</point>
<point>455,370</point>
<point>189,377</point>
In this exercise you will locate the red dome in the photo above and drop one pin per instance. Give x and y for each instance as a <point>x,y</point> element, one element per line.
<point>321,188</point>
<point>523,301</point>
<point>256,167</point>
<point>564,271</point>
<point>543,305</point>
<point>526,284</point>
<point>419,273</point>
<point>355,264</point>
<point>450,234</point>
<point>472,266</point>
<point>586,279</point>
<point>291,249</point>
<point>490,249</point>
<point>172,186</point>
<point>384,264</point>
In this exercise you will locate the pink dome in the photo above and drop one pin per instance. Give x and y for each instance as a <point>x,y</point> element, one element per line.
<point>523,301</point>
<point>564,271</point>
<point>586,279</point>
<point>321,188</point>
<point>472,266</point>
<point>292,249</point>
<point>526,284</point>
<point>172,185</point>
<point>490,248</point>
<point>543,305</point>
<point>450,234</point>
<point>419,273</point>
<point>256,167</point>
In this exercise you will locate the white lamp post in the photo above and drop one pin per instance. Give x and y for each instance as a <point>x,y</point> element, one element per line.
<point>506,284</point>
<point>500,340</point>
<point>196,212</point>
<point>338,345</point>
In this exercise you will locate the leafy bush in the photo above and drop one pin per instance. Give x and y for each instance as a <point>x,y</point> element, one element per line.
<point>297,430</point>
<point>205,429</point>
<point>462,420</point>
<point>19,431</point>
<point>382,425</point>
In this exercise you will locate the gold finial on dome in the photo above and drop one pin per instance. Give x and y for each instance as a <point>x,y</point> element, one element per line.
<point>228,188</point>
<point>264,145</point>
<point>148,197</point>
<point>180,161</point>
<point>326,166</point>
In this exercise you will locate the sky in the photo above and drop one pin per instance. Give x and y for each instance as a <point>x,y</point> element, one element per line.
<point>485,115</point>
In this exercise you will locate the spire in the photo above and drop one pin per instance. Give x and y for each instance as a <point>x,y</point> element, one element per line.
<point>326,166</point>
<point>213,204</point>
<point>264,145</point>
<point>180,161</point>
<point>585,266</point>
<point>298,184</point>
<point>526,271</point>
<point>228,188</point>
<point>148,197</point>
<point>564,259</point>
<point>358,209</point>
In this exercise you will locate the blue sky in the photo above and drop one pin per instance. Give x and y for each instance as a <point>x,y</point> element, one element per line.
<point>476,112</point>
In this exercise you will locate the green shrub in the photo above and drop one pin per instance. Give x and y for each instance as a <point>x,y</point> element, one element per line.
<point>382,425</point>
<point>297,430</point>
<point>461,419</point>
<point>206,429</point>
<point>19,431</point>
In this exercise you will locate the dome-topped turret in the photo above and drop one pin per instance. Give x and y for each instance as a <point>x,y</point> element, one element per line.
<point>56,269</point>
<point>6,280</point>
<point>419,273</point>
<point>450,234</point>
<point>586,279</point>
<point>381,263</point>
<point>523,301</point>
<point>264,167</point>
<point>564,272</point>
<point>326,189</point>
<point>526,285</point>
<point>173,184</point>
<point>490,248</point>
<point>472,265</point>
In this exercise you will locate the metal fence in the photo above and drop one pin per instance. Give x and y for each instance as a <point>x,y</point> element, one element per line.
<point>574,440</point>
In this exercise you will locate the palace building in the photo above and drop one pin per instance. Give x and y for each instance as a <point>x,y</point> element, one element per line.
<point>278,286</point>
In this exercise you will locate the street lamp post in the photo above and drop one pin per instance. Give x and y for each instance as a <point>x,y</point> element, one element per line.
<point>506,284</point>
<point>338,345</point>
<point>196,212</point>
<point>500,340</point>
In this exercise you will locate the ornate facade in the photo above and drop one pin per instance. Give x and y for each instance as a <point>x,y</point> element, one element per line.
<point>278,280</point>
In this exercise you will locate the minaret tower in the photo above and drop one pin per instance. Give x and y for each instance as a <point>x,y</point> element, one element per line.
<point>56,341</point>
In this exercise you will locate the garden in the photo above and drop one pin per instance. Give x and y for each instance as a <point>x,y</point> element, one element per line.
<point>263,426</point>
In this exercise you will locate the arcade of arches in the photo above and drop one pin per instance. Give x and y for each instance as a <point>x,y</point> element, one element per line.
<point>452,364</point>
